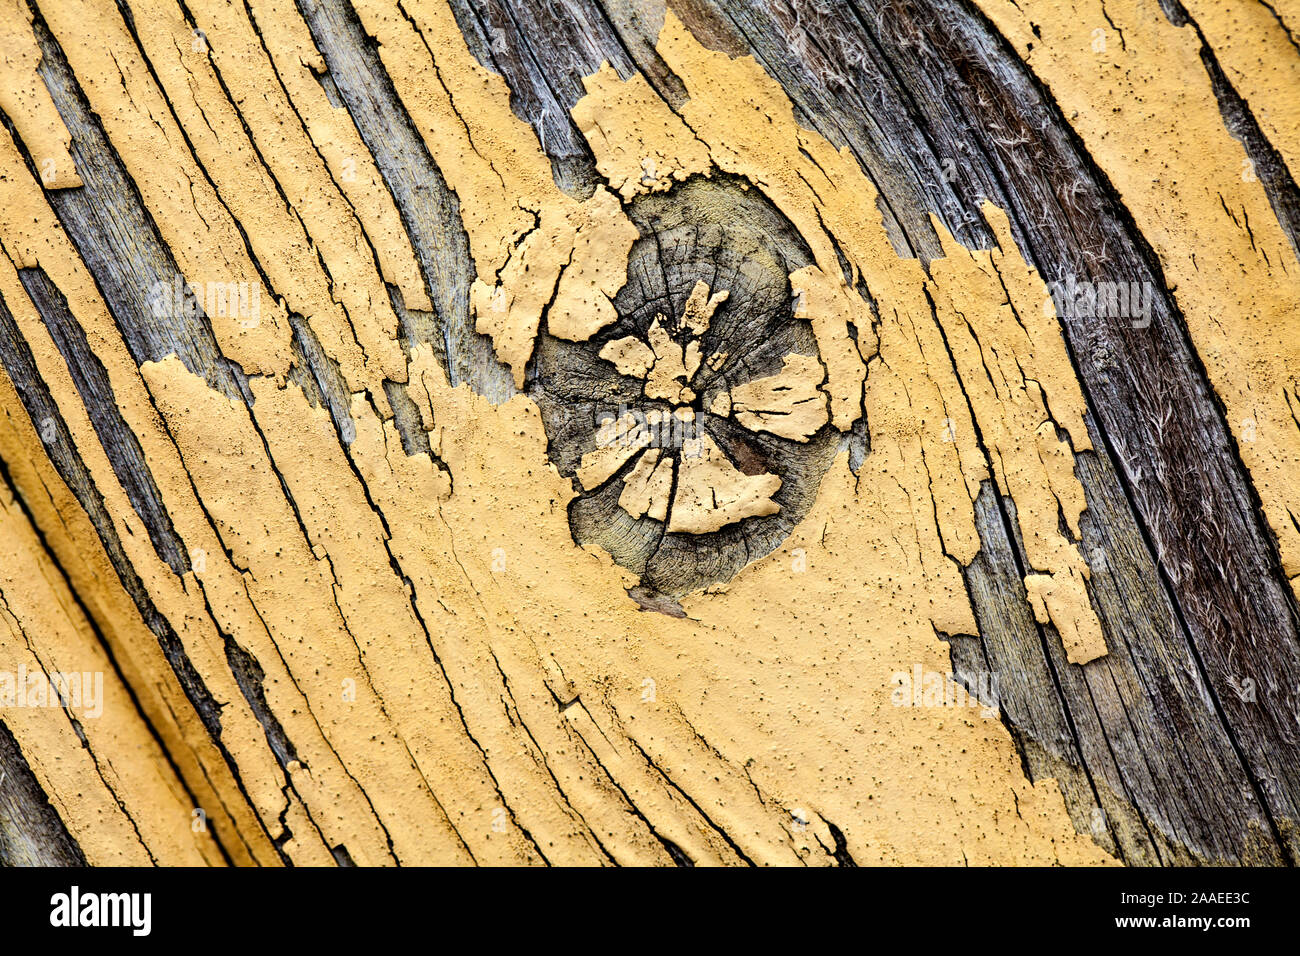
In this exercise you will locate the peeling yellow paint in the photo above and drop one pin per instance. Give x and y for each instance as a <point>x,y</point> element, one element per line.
<point>460,680</point>
<point>37,240</point>
<point>1147,114</point>
<point>1262,63</point>
<point>529,241</point>
<point>713,493</point>
<point>297,64</point>
<point>255,153</point>
<point>648,487</point>
<point>320,219</point>
<point>201,233</point>
<point>26,101</point>
<point>639,143</point>
<point>788,403</point>
<point>116,793</point>
<point>558,603</point>
<point>748,124</point>
<point>831,308</point>
<point>1013,366</point>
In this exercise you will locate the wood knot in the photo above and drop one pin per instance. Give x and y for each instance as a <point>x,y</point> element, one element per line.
<point>695,428</point>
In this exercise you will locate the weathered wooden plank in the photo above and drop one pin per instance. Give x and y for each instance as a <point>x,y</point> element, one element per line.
<point>942,117</point>
<point>1160,757</point>
<point>430,211</point>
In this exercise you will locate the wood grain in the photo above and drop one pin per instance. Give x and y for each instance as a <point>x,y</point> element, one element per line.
<point>485,731</point>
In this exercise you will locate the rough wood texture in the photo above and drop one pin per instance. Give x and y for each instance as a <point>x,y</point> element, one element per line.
<point>399,564</point>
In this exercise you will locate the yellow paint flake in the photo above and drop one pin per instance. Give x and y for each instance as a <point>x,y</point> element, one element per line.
<point>830,307</point>
<point>648,487</point>
<point>640,144</point>
<point>596,269</point>
<point>629,355</point>
<point>616,443</point>
<point>712,493</point>
<point>672,367</point>
<point>697,313</point>
<point>788,404</point>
